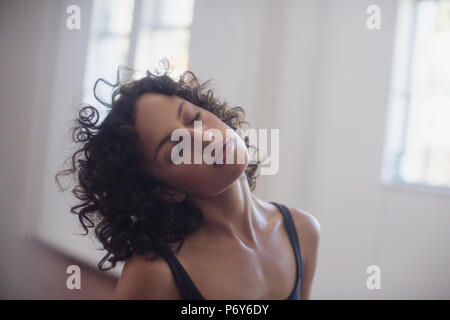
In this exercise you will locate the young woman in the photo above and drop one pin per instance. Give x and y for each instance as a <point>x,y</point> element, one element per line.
<point>184,231</point>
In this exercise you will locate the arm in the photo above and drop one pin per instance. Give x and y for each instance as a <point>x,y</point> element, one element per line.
<point>308,230</point>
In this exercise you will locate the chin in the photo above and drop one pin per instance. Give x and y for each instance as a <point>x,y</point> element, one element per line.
<point>229,175</point>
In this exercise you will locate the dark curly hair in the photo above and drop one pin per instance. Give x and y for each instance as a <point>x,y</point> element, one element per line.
<point>116,196</point>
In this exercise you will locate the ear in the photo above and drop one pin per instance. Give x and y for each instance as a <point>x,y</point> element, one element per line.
<point>170,195</point>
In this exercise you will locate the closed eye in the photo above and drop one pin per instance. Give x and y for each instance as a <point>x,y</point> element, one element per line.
<point>196,118</point>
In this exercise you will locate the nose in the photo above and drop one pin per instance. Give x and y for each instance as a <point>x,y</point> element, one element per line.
<point>203,136</point>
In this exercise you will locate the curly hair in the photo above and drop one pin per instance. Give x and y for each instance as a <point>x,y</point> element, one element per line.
<point>116,195</point>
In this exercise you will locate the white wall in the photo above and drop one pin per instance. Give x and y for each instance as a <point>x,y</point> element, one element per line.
<point>402,231</point>
<point>21,34</point>
<point>43,68</point>
<point>66,88</point>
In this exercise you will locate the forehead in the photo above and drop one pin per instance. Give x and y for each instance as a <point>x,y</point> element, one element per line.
<point>154,116</point>
<point>152,103</point>
<point>155,109</point>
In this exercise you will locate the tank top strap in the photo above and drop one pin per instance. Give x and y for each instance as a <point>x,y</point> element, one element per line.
<point>189,291</point>
<point>293,237</point>
<point>187,288</point>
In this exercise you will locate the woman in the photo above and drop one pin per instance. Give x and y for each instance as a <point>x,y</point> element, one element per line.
<point>185,230</point>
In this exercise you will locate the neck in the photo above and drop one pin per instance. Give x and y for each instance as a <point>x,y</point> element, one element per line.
<point>233,213</point>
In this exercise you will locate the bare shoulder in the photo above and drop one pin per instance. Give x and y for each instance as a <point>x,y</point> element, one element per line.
<point>144,279</point>
<point>306,224</point>
<point>308,230</point>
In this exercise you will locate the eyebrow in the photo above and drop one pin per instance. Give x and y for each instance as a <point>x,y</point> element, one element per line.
<point>167,137</point>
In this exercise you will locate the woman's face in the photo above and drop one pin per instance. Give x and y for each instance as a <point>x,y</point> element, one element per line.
<point>158,115</point>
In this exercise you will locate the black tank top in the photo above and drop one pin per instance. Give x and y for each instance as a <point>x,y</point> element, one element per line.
<point>189,291</point>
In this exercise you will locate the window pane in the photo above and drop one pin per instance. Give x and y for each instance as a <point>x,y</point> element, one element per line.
<point>426,159</point>
<point>153,45</point>
<point>177,12</point>
<point>108,47</point>
<point>417,145</point>
<point>112,16</point>
<point>105,55</point>
<point>167,13</point>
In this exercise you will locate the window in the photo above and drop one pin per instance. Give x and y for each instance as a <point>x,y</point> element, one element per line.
<point>417,142</point>
<point>138,34</point>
